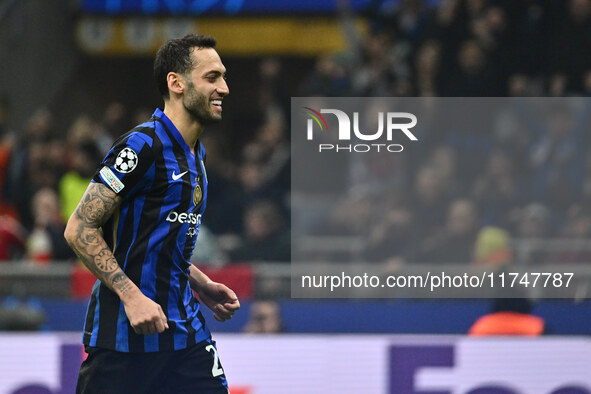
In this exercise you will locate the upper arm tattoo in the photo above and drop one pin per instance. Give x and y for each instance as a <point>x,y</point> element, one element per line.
<point>97,204</point>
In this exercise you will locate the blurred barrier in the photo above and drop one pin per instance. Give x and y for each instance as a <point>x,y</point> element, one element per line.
<point>82,281</point>
<point>354,247</point>
<point>380,364</point>
<point>238,277</point>
<point>67,280</point>
<point>25,278</point>
<point>575,250</point>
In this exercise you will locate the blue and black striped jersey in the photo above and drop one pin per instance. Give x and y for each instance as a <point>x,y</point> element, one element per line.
<point>152,235</point>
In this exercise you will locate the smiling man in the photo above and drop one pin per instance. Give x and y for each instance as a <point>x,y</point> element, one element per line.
<point>144,332</point>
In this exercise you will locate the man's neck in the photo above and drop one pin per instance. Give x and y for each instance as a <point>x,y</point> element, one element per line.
<point>189,128</point>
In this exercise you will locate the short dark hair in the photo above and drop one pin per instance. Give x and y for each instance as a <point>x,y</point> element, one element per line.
<point>519,305</point>
<point>175,56</point>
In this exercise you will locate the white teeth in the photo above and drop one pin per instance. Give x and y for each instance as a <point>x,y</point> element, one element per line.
<point>216,102</point>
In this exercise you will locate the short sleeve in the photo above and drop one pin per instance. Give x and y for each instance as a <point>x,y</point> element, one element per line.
<point>126,167</point>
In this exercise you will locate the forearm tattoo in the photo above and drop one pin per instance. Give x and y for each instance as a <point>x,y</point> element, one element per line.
<point>121,282</point>
<point>94,209</point>
<point>105,261</point>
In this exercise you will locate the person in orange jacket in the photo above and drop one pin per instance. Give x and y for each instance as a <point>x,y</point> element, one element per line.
<point>510,316</point>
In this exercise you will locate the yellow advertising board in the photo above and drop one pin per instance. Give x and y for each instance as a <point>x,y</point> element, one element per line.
<point>245,36</point>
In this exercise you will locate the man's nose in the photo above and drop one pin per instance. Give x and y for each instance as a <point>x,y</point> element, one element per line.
<point>223,89</point>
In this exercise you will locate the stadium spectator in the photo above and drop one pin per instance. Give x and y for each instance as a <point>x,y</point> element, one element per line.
<point>455,242</point>
<point>265,236</point>
<point>46,241</point>
<point>570,45</point>
<point>265,172</point>
<point>587,83</point>
<point>351,214</point>
<point>208,250</point>
<point>587,177</point>
<point>12,238</point>
<point>509,316</point>
<point>114,120</point>
<point>531,27</point>
<point>533,222</point>
<point>7,141</point>
<point>394,231</point>
<point>30,167</point>
<point>427,78</point>
<point>557,154</point>
<point>264,318</point>
<point>473,76</point>
<point>497,192</point>
<point>577,228</point>
<point>444,161</point>
<point>224,208</point>
<point>330,77</point>
<point>271,87</point>
<point>381,68</point>
<point>139,115</point>
<point>72,185</point>
<point>275,151</point>
<point>492,247</point>
<point>430,199</point>
<point>520,85</point>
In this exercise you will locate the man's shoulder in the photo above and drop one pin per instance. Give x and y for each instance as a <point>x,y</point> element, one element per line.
<point>139,136</point>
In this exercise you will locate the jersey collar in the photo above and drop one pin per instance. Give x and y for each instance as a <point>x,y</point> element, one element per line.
<point>177,134</point>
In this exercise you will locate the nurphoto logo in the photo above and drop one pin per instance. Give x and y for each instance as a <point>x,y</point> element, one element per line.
<point>396,123</point>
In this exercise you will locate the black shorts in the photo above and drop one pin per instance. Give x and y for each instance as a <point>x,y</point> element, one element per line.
<point>193,370</point>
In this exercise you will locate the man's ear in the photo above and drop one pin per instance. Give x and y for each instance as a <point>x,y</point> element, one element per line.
<point>176,83</point>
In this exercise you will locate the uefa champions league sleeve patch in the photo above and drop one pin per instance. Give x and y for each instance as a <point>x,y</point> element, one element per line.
<point>111,179</point>
<point>126,161</point>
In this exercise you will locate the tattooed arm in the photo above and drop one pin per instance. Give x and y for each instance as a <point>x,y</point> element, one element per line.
<point>83,235</point>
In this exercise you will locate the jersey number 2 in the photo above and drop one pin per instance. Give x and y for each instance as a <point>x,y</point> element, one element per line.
<point>216,370</point>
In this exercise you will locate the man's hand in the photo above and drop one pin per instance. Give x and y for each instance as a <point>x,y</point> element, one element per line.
<point>220,299</point>
<point>145,316</point>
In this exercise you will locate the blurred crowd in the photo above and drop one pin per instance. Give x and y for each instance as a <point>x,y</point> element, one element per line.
<point>464,48</point>
<point>469,195</point>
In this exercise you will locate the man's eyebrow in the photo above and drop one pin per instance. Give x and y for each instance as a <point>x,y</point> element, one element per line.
<point>214,72</point>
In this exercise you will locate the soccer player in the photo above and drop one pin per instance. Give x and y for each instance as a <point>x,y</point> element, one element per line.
<point>144,332</point>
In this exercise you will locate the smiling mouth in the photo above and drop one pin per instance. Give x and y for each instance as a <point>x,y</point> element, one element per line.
<point>217,104</point>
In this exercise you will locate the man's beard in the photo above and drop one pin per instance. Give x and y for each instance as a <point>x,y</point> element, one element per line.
<point>198,106</point>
